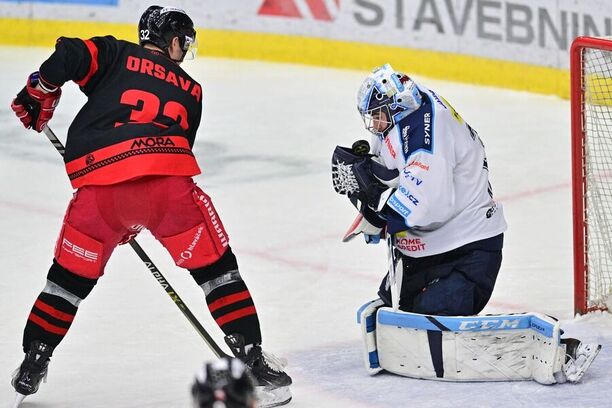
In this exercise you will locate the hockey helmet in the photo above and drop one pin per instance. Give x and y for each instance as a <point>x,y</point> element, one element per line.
<point>224,383</point>
<point>390,92</point>
<point>159,25</point>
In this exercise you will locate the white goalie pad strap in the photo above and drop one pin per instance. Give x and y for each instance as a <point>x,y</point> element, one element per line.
<point>509,347</point>
<point>366,317</point>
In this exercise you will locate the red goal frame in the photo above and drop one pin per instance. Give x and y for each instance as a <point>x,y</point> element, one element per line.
<point>579,185</point>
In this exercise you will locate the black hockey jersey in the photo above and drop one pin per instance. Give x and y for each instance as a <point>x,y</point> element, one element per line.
<point>141,115</point>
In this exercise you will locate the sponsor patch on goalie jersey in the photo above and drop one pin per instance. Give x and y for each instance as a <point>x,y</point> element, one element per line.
<point>405,243</point>
<point>418,164</point>
<point>417,130</point>
<point>409,195</point>
<point>409,176</point>
<point>399,207</point>
<point>390,147</point>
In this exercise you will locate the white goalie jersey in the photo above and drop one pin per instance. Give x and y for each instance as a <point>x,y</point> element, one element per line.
<point>444,199</point>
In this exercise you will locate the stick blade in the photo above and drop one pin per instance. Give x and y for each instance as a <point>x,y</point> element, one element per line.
<point>18,400</point>
<point>351,232</point>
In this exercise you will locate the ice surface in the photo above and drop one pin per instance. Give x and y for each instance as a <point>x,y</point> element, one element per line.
<point>265,145</point>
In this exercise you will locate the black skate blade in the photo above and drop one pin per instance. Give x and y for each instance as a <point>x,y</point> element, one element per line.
<point>18,400</point>
<point>268,397</point>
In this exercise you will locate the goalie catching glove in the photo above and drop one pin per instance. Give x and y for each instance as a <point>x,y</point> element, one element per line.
<point>34,107</point>
<point>360,176</point>
<point>357,174</point>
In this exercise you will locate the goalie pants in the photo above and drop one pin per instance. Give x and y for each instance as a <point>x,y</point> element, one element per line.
<point>178,214</point>
<point>454,283</point>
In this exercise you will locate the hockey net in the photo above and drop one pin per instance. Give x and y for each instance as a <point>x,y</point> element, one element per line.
<point>591,100</point>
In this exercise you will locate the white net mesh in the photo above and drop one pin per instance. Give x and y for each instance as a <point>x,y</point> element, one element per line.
<point>597,109</point>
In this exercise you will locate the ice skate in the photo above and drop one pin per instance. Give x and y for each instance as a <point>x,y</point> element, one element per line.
<point>272,383</point>
<point>33,370</point>
<point>579,357</point>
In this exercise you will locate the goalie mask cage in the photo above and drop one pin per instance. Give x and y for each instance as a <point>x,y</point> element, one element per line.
<point>591,107</point>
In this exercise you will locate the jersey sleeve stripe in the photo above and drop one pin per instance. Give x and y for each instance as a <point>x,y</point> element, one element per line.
<point>93,66</point>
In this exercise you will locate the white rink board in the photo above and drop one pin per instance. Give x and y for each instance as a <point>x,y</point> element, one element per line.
<point>537,32</point>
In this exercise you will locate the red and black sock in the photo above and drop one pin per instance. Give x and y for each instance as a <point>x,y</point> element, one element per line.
<point>228,298</point>
<point>56,306</point>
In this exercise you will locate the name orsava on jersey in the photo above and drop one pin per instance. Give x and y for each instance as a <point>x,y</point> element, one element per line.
<point>148,67</point>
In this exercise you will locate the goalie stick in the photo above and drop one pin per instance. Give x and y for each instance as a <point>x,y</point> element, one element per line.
<point>156,272</point>
<point>395,278</point>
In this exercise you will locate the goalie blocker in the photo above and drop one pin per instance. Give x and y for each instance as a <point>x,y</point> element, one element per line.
<point>522,346</point>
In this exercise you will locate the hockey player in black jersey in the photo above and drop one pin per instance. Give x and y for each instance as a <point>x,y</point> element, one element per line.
<point>129,155</point>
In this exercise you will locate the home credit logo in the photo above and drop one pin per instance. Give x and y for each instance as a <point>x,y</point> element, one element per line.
<point>321,10</point>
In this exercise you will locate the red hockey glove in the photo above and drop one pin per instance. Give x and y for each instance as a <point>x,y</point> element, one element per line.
<point>34,107</point>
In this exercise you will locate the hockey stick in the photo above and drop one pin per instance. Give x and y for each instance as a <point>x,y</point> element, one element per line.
<point>395,278</point>
<point>155,272</point>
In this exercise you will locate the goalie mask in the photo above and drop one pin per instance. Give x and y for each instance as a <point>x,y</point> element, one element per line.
<point>159,25</point>
<point>386,97</point>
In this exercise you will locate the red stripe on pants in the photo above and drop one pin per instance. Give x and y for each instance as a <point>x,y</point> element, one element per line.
<point>230,317</point>
<point>46,325</point>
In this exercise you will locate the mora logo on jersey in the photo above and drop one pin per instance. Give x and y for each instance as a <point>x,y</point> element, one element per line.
<point>152,142</point>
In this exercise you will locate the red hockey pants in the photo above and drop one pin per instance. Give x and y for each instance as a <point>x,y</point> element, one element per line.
<point>177,212</point>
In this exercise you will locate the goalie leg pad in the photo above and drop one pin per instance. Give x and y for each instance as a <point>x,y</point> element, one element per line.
<point>469,348</point>
<point>366,317</point>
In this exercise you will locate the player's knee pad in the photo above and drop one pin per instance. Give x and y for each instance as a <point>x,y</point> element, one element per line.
<point>67,285</point>
<point>79,253</point>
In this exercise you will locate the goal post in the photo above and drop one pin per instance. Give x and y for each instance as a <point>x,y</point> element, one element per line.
<point>591,114</point>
